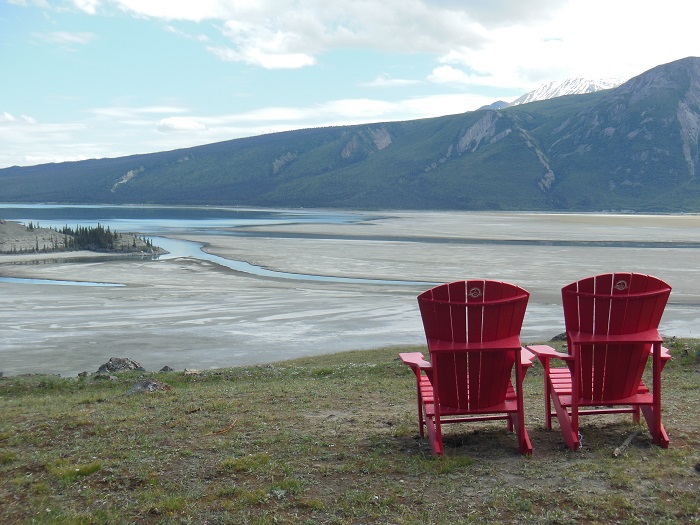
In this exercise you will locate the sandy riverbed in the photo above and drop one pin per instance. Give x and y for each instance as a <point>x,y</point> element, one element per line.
<point>186,313</point>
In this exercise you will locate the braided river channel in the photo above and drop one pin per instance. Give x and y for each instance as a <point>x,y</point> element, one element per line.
<point>248,286</point>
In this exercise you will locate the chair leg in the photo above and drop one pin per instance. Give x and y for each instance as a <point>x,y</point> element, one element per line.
<point>434,434</point>
<point>656,428</point>
<point>420,418</point>
<point>568,428</point>
<point>548,401</point>
<point>653,413</point>
<point>419,395</point>
<point>635,414</point>
<point>517,421</point>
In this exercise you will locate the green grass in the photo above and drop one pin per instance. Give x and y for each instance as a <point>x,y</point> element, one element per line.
<point>330,439</point>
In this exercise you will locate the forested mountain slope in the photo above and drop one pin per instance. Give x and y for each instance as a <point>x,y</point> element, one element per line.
<point>634,147</point>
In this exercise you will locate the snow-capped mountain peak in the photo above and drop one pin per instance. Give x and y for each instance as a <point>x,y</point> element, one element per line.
<point>570,86</point>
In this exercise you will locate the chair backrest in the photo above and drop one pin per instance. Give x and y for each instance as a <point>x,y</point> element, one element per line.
<point>474,311</point>
<point>613,304</point>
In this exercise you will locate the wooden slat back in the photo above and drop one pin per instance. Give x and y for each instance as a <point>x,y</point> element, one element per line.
<point>473,311</point>
<point>613,304</point>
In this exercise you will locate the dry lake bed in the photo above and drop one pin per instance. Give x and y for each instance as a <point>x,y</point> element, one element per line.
<point>190,312</point>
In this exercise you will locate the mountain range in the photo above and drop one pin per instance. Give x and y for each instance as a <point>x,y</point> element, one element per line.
<point>559,88</point>
<point>633,147</point>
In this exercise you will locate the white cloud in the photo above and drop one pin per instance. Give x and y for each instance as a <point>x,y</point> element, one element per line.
<point>170,124</point>
<point>125,112</point>
<point>269,114</point>
<point>176,31</point>
<point>65,38</point>
<point>386,80</point>
<point>505,42</point>
<point>27,142</point>
<point>190,10</point>
<point>87,6</point>
<point>341,112</point>
<point>498,42</point>
<point>449,75</point>
<point>273,34</point>
<point>261,58</point>
<point>23,119</point>
<point>268,44</point>
<point>632,37</point>
<point>25,3</point>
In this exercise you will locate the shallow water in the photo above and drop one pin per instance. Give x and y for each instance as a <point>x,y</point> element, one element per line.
<point>56,282</point>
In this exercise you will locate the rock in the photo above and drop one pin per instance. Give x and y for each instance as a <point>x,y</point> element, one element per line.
<point>82,374</point>
<point>189,372</point>
<point>119,364</point>
<point>166,368</point>
<point>560,337</point>
<point>148,385</point>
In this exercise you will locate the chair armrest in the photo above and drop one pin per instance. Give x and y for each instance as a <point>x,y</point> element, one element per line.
<point>546,352</point>
<point>665,354</point>
<point>526,357</point>
<point>415,360</point>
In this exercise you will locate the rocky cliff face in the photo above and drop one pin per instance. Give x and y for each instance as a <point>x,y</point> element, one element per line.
<point>631,138</point>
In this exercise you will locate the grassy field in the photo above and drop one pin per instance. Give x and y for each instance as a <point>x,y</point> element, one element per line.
<point>329,439</point>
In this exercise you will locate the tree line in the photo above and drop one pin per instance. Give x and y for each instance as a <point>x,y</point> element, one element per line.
<point>98,238</point>
<point>94,238</point>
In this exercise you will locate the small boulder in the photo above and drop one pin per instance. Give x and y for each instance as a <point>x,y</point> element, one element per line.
<point>148,385</point>
<point>166,368</point>
<point>119,364</point>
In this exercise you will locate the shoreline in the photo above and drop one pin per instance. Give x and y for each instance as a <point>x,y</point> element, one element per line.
<point>166,369</point>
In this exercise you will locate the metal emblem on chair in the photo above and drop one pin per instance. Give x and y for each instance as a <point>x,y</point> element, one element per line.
<point>621,285</point>
<point>475,292</point>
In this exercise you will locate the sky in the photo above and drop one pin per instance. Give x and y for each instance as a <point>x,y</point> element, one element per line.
<point>83,79</point>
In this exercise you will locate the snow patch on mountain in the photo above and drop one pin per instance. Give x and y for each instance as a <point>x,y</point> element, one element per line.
<point>570,86</point>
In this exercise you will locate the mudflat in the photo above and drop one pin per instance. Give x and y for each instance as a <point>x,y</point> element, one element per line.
<point>190,313</point>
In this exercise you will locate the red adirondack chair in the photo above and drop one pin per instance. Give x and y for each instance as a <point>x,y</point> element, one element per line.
<point>473,334</point>
<point>611,330</point>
